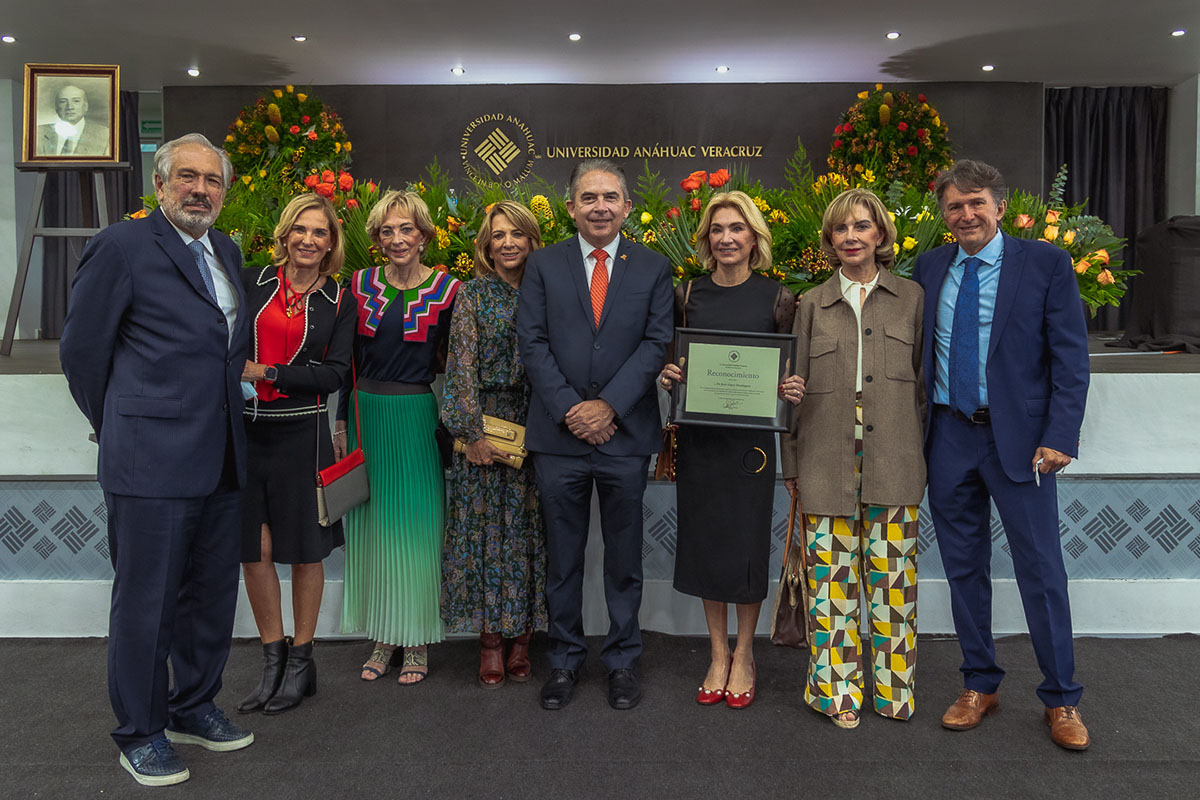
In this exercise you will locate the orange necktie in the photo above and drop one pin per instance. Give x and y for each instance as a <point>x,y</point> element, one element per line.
<point>599,283</point>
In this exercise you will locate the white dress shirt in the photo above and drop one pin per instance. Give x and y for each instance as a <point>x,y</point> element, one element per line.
<point>589,261</point>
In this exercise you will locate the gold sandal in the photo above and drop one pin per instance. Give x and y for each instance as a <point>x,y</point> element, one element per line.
<point>416,662</point>
<point>847,719</point>
<point>380,655</point>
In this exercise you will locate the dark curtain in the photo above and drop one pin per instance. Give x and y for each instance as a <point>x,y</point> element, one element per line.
<point>1114,143</point>
<point>63,208</point>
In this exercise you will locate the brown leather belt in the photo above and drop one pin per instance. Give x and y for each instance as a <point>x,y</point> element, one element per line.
<point>981,416</point>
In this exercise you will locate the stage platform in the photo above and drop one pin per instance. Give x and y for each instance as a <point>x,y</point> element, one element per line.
<point>1130,514</point>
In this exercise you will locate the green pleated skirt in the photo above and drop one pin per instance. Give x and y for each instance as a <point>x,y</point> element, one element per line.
<point>394,540</point>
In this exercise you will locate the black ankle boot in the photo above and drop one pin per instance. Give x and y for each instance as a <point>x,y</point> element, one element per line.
<point>274,656</point>
<point>299,680</point>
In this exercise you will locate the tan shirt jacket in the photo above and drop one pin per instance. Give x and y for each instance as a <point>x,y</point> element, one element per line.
<point>819,450</point>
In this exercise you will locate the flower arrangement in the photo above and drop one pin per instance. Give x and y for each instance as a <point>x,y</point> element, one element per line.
<point>291,125</point>
<point>896,135</point>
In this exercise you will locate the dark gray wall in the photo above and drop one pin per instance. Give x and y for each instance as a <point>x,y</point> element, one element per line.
<point>397,130</point>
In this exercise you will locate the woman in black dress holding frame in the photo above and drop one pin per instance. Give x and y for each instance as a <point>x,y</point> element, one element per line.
<point>725,477</point>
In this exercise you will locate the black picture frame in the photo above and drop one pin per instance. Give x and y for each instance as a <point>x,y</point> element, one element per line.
<point>785,346</point>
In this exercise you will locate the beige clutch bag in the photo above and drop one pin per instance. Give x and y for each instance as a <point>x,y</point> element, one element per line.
<point>505,435</point>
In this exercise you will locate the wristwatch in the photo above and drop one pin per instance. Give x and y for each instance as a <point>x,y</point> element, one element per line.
<point>270,374</point>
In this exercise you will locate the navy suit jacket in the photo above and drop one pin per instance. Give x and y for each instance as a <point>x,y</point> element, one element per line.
<point>147,355</point>
<point>1037,359</point>
<point>568,359</point>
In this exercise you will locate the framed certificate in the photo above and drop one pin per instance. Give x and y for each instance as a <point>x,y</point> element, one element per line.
<point>731,378</point>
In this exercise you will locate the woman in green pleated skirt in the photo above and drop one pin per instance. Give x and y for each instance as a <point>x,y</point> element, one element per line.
<point>394,541</point>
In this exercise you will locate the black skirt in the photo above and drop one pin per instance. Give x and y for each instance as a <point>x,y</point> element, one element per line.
<point>281,491</point>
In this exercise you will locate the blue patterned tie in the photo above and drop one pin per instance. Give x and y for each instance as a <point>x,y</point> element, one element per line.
<point>206,274</point>
<point>964,342</point>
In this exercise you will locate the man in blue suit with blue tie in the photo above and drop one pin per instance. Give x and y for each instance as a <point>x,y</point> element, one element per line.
<point>153,350</point>
<point>593,326</point>
<point>1004,329</point>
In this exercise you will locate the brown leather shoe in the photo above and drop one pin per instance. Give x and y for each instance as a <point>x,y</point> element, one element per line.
<point>969,710</point>
<point>517,666</point>
<point>491,660</point>
<point>1067,728</point>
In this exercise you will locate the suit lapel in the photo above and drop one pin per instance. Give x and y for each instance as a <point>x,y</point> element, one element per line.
<point>579,277</point>
<point>1012,265</point>
<point>172,245</point>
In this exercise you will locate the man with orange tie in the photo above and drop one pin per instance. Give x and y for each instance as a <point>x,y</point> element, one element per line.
<point>593,325</point>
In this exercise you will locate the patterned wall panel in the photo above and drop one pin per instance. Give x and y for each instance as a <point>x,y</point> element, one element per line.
<point>1109,528</point>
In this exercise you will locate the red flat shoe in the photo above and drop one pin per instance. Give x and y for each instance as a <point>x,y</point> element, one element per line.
<point>744,699</point>
<point>712,697</point>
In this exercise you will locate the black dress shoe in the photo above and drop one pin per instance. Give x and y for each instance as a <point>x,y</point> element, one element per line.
<point>557,692</point>
<point>299,680</point>
<point>624,689</point>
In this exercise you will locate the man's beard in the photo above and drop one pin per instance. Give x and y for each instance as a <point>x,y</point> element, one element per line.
<point>192,220</point>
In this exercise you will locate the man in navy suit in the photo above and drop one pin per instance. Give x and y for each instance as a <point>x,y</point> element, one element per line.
<point>153,350</point>
<point>593,326</point>
<point>1004,329</point>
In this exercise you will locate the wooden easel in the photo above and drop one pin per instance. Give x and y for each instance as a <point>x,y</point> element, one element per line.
<point>94,169</point>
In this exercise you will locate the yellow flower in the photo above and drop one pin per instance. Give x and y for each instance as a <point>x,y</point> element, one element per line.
<point>1052,216</point>
<point>649,236</point>
<point>1069,238</point>
<point>262,173</point>
<point>274,115</point>
<point>888,100</point>
<point>443,237</point>
<point>678,272</point>
<point>252,187</point>
<point>540,207</point>
<point>272,134</point>
<point>246,179</point>
<point>1051,233</point>
<point>858,167</point>
<point>937,122</point>
<point>779,217</point>
<point>878,87</point>
<point>895,248</point>
<point>239,124</point>
<point>893,216</point>
<point>289,88</point>
<point>885,114</point>
<point>279,93</point>
<point>863,95</point>
<point>337,147</point>
<point>346,147</point>
<point>762,204</point>
<point>647,217</point>
<point>909,243</point>
<point>924,214</point>
<point>464,262</point>
<point>301,97</point>
<point>229,137</point>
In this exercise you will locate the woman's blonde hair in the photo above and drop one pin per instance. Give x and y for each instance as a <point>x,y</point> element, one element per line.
<point>760,256</point>
<point>409,204</point>
<point>842,206</point>
<point>521,218</point>
<point>332,263</point>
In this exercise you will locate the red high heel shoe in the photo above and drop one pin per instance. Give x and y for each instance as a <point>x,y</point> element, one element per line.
<point>712,697</point>
<point>744,699</point>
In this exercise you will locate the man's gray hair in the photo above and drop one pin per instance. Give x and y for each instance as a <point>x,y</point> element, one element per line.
<point>165,156</point>
<point>971,176</point>
<point>597,165</point>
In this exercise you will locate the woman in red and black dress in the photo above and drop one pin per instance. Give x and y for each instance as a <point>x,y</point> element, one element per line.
<point>300,351</point>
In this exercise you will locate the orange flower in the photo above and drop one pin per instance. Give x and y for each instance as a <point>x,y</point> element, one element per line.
<point>327,176</point>
<point>351,203</point>
<point>371,187</point>
<point>1050,233</point>
<point>1023,221</point>
<point>345,182</point>
<point>1052,216</point>
<point>488,208</point>
<point>1105,278</point>
<point>441,268</point>
<point>324,189</point>
<point>312,136</point>
<point>312,180</point>
<point>1100,257</point>
<point>695,204</point>
<point>453,224</point>
<point>139,214</point>
<point>1082,265</point>
<point>718,178</point>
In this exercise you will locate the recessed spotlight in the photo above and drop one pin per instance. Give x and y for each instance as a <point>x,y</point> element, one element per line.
<point>300,38</point>
<point>893,34</point>
<point>195,73</point>
<point>1179,32</point>
<point>7,39</point>
<point>457,70</point>
<point>722,69</point>
<point>575,37</point>
<point>987,67</point>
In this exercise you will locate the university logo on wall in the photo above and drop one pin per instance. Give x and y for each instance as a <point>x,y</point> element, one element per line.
<point>497,148</point>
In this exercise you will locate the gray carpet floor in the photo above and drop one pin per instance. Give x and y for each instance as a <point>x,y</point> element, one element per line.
<point>448,738</point>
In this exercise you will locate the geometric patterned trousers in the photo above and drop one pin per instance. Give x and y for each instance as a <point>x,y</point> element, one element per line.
<point>876,545</point>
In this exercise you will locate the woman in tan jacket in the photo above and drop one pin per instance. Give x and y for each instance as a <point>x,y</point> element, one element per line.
<point>855,457</point>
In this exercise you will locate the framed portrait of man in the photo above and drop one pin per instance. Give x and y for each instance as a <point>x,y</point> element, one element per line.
<point>71,113</point>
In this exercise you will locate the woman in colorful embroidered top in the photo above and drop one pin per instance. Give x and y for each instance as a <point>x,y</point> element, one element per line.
<point>300,352</point>
<point>394,540</point>
<point>494,563</point>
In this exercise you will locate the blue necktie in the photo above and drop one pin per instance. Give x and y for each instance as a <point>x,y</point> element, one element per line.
<point>964,342</point>
<point>206,274</point>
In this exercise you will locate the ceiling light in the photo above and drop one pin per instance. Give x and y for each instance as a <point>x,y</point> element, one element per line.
<point>7,39</point>
<point>575,37</point>
<point>722,69</point>
<point>300,38</point>
<point>987,68</point>
<point>195,73</point>
<point>893,34</point>
<point>457,70</point>
<point>1179,32</point>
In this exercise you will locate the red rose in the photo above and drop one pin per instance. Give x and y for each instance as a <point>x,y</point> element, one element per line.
<point>695,204</point>
<point>837,144</point>
<point>690,184</point>
<point>672,213</point>
<point>921,133</point>
<point>328,177</point>
<point>312,135</point>
<point>902,126</point>
<point>324,189</point>
<point>837,130</point>
<point>312,180</point>
<point>718,178</point>
<point>294,129</point>
<point>931,186</point>
<point>305,119</point>
<point>371,187</point>
<point>912,150</point>
<point>351,203</point>
<point>345,182</point>
<point>921,98</point>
